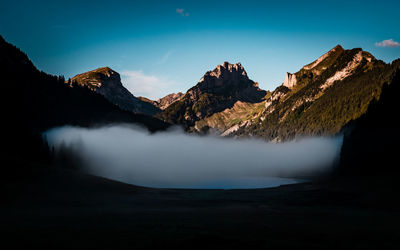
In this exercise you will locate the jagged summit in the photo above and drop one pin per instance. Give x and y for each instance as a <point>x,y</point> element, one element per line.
<point>226,70</point>
<point>231,67</point>
<point>225,75</point>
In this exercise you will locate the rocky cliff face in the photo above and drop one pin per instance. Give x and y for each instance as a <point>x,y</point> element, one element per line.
<point>290,80</point>
<point>216,91</point>
<point>107,82</point>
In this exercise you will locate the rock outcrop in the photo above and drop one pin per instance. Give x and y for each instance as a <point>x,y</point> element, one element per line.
<point>290,80</point>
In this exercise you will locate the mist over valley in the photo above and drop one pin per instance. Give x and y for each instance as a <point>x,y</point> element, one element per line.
<point>174,159</point>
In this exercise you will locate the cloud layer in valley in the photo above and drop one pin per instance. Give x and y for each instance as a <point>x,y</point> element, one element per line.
<point>176,159</point>
<point>388,43</point>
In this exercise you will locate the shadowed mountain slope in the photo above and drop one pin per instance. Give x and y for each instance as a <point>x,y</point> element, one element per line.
<point>370,145</point>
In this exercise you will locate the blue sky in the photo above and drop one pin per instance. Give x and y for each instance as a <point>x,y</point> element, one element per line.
<point>166,46</point>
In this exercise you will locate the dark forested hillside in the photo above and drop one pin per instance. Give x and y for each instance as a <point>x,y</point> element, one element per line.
<point>370,145</point>
<point>34,101</point>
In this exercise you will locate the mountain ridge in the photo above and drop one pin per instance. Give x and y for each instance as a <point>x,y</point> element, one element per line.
<point>311,107</point>
<point>317,100</point>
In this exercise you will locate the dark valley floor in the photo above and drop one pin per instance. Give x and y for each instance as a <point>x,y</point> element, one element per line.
<point>60,208</point>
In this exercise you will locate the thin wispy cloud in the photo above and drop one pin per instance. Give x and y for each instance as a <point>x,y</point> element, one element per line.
<point>182,12</point>
<point>164,58</point>
<point>150,86</point>
<point>388,43</point>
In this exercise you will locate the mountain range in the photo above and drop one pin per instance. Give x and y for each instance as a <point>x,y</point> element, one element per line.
<point>319,99</point>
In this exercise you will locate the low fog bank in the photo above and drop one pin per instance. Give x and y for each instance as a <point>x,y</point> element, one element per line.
<point>176,159</point>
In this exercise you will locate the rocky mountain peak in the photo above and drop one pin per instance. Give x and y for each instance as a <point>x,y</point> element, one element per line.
<point>107,82</point>
<point>225,76</point>
<point>96,79</point>
<point>231,67</point>
<point>333,53</point>
<point>217,90</point>
<point>337,47</point>
<point>226,70</point>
